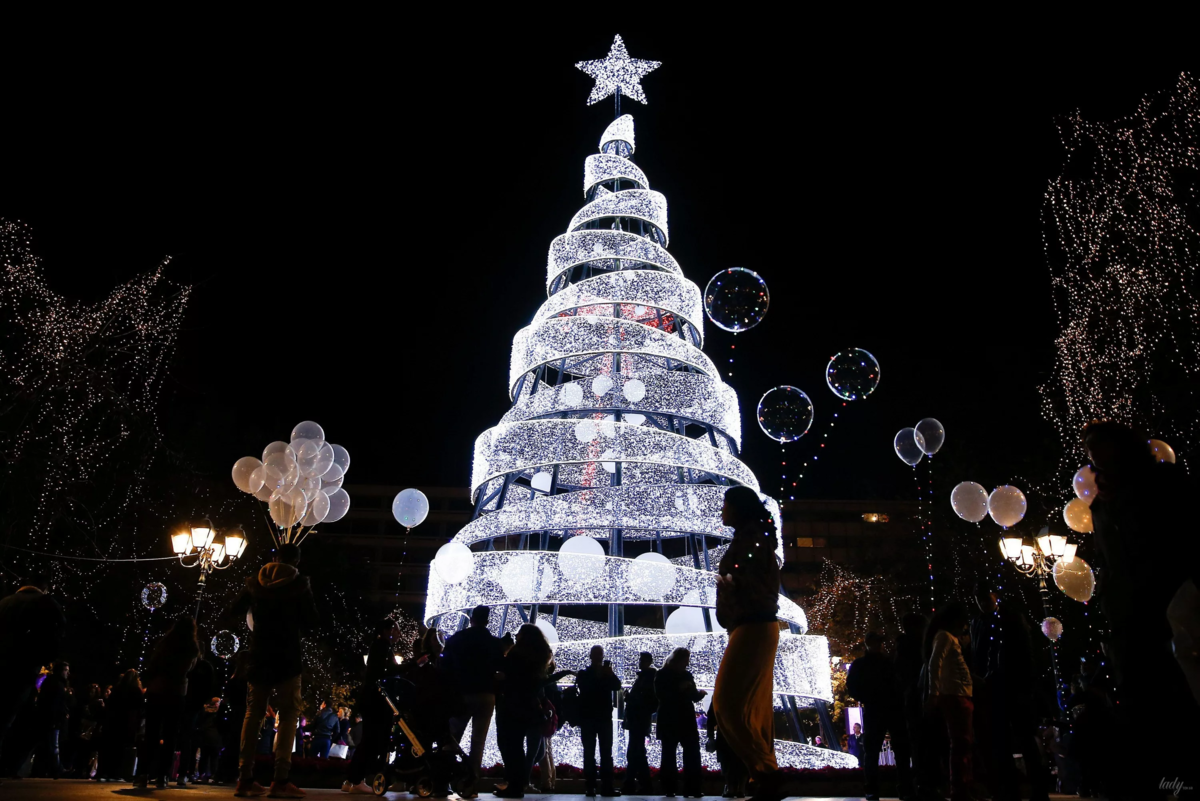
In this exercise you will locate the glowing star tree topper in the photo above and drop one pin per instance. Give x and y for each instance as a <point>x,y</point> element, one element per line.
<point>617,73</point>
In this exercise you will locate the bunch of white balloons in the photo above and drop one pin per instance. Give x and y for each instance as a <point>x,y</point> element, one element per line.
<point>1006,505</point>
<point>923,439</point>
<point>300,481</point>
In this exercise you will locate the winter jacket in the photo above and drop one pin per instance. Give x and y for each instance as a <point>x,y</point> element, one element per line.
<point>472,657</point>
<point>641,703</point>
<point>31,628</point>
<point>281,603</point>
<point>948,673</point>
<point>677,697</point>
<point>53,705</point>
<point>754,595</point>
<point>872,680</point>
<point>596,687</point>
<point>169,666</point>
<point>201,684</point>
<point>325,724</point>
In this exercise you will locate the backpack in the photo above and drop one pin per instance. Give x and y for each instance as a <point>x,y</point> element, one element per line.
<point>569,710</point>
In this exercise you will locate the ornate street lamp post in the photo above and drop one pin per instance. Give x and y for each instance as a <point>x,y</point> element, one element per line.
<point>204,547</point>
<point>1038,559</point>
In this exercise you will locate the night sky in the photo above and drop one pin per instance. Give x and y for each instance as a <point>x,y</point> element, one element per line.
<point>366,223</point>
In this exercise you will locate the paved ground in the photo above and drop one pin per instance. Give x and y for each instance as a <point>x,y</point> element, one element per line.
<point>72,789</point>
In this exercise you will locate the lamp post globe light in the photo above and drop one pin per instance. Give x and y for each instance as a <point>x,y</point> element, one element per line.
<point>1038,559</point>
<point>203,546</point>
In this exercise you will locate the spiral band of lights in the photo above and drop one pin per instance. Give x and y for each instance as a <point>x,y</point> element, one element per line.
<point>629,292</point>
<point>604,167</point>
<point>615,250</point>
<point>634,204</point>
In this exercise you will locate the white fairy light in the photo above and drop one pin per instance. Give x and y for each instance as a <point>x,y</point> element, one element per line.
<point>607,167</point>
<point>629,290</point>
<point>620,130</point>
<point>638,204</point>
<point>613,250</point>
<point>618,72</point>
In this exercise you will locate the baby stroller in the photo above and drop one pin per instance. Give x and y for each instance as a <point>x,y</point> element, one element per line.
<point>422,753</point>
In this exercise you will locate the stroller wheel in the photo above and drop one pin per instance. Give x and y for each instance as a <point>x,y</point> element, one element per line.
<point>425,787</point>
<point>379,784</point>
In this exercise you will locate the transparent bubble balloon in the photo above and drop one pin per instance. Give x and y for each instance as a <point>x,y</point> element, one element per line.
<point>1052,627</point>
<point>909,445</point>
<point>225,644</point>
<point>581,559</point>
<point>308,430</point>
<point>1084,484</point>
<point>785,413</point>
<point>243,474</point>
<point>410,507</point>
<point>1162,451</point>
<point>970,501</point>
<point>453,562</point>
<point>1075,579</point>
<point>932,435</point>
<point>341,457</point>
<point>278,447</point>
<point>549,631</point>
<point>339,504</point>
<point>651,576</point>
<point>1078,516</point>
<point>1006,505</point>
<point>736,299</point>
<point>852,374</point>
<point>154,596</point>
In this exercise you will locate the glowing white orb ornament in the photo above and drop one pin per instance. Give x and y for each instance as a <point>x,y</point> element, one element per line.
<point>225,644</point>
<point>634,390</point>
<point>585,430</point>
<point>1006,505</point>
<point>410,507</point>
<point>1162,451</point>
<point>581,559</point>
<point>736,299</point>
<point>541,481</point>
<point>524,578</point>
<point>852,374</point>
<point>785,413</point>
<point>548,629</point>
<point>970,501</point>
<point>652,575</point>
<point>931,434</point>
<point>454,562</point>
<point>601,385</point>
<point>909,445</point>
<point>1084,484</point>
<point>1052,627</point>
<point>571,394</point>
<point>1075,579</point>
<point>154,595</point>
<point>1078,516</point>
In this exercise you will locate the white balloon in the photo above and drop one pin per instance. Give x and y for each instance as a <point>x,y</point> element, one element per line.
<point>1078,516</point>
<point>341,457</point>
<point>634,390</point>
<point>550,632</point>
<point>454,562</point>
<point>328,484</point>
<point>601,385</point>
<point>319,507</point>
<point>581,559</point>
<point>1052,628</point>
<point>308,430</point>
<point>243,474</point>
<point>970,501</point>
<point>278,447</point>
<point>910,446</point>
<point>339,504</point>
<point>288,508</point>
<point>932,435</point>
<point>320,464</point>
<point>651,576</point>
<point>1084,484</point>
<point>263,493</point>
<point>306,449</point>
<point>571,394</point>
<point>541,481</point>
<point>1162,451</point>
<point>334,473</point>
<point>410,507</point>
<point>1006,505</point>
<point>690,620</point>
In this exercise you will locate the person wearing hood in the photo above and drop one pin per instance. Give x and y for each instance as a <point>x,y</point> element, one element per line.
<point>281,603</point>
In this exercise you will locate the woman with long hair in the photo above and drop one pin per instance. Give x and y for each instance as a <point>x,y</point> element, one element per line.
<point>949,690</point>
<point>172,660</point>
<point>747,603</point>
<point>677,698</point>
<point>519,710</point>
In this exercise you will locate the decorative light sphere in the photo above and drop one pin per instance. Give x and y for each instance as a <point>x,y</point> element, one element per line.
<point>736,299</point>
<point>154,596</point>
<point>909,445</point>
<point>541,481</point>
<point>685,620</point>
<point>410,507</point>
<point>852,374</point>
<point>454,562</point>
<point>601,385</point>
<point>785,413</point>
<point>548,629</point>
<point>970,501</point>
<point>634,390</point>
<point>581,559</point>
<point>1052,627</point>
<point>225,644</point>
<point>931,434</point>
<point>1078,516</point>
<point>571,394</point>
<point>652,575</point>
<point>1084,484</point>
<point>1006,505</point>
<point>1162,451</point>
<point>525,578</point>
<point>1075,579</point>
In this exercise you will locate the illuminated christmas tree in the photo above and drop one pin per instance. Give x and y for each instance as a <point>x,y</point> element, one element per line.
<point>598,496</point>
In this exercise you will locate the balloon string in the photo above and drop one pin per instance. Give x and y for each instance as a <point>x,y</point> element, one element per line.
<point>806,463</point>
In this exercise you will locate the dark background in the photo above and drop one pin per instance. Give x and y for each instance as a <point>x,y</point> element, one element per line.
<point>366,219</point>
